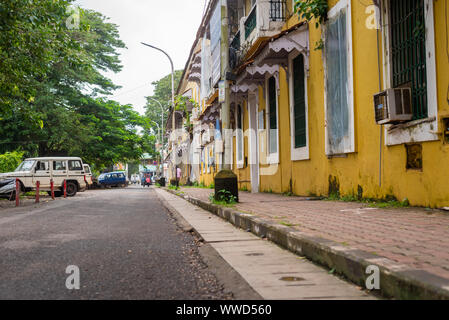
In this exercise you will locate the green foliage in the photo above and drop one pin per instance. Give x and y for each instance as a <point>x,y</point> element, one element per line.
<point>51,82</point>
<point>312,9</point>
<point>173,187</point>
<point>287,224</point>
<point>387,202</point>
<point>181,104</point>
<point>32,35</point>
<point>319,45</point>
<point>199,185</point>
<point>162,93</point>
<point>9,161</point>
<point>223,197</point>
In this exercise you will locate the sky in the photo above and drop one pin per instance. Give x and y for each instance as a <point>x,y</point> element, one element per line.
<point>168,24</point>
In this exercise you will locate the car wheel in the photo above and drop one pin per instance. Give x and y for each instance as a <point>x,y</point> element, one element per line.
<point>71,189</point>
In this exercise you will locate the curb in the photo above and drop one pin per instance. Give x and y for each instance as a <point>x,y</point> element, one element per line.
<point>396,280</point>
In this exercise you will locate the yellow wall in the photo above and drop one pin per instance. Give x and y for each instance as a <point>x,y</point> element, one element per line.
<point>207,178</point>
<point>428,187</point>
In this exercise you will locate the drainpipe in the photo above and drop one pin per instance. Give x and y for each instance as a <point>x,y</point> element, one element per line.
<point>380,89</point>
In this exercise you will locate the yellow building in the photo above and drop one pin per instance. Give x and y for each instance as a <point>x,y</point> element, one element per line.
<point>304,99</point>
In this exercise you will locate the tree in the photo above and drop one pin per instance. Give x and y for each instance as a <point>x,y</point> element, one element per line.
<point>9,161</point>
<point>31,34</point>
<point>162,93</point>
<point>51,82</point>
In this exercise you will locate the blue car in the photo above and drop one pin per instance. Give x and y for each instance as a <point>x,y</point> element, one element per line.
<point>113,179</point>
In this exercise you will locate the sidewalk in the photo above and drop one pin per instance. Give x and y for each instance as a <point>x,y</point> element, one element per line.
<point>416,238</point>
<point>270,271</point>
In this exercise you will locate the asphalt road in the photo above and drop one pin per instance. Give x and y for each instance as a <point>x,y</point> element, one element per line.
<point>124,242</point>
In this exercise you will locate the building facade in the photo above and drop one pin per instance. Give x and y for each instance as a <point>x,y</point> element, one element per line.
<point>304,115</point>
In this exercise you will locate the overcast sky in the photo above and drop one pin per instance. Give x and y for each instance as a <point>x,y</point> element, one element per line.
<point>168,24</point>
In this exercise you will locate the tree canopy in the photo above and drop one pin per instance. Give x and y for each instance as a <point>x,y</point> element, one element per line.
<point>53,88</point>
<point>162,93</point>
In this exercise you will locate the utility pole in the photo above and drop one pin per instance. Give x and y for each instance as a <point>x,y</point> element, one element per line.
<point>225,106</point>
<point>172,90</point>
<point>226,179</point>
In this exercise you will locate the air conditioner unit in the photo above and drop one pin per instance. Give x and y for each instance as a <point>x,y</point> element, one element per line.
<point>393,105</point>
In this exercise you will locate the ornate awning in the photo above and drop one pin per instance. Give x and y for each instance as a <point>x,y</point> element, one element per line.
<point>210,114</point>
<point>196,67</point>
<point>245,87</point>
<point>195,77</point>
<point>276,51</point>
<point>273,55</point>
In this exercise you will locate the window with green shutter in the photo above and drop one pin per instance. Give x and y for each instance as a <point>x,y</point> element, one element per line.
<point>408,51</point>
<point>272,114</point>
<point>299,102</point>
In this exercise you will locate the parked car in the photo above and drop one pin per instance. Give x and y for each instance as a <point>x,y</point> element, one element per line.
<point>7,188</point>
<point>113,179</point>
<point>46,169</point>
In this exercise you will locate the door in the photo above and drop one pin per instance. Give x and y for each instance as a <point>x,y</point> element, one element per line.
<point>42,174</point>
<point>76,171</point>
<point>59,172</point>
<point>253,144</point>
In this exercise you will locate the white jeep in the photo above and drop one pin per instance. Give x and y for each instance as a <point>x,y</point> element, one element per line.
<point>44,170</point>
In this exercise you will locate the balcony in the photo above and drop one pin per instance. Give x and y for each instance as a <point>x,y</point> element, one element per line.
<point>265,20</point>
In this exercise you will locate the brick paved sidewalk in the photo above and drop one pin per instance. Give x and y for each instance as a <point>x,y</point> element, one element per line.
<point>412,236</point>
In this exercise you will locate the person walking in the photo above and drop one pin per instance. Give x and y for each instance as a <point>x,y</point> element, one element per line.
<point>178,176</point>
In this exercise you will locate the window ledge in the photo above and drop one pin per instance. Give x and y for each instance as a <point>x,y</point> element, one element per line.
<point>410,124</point>
<point>273,158</point>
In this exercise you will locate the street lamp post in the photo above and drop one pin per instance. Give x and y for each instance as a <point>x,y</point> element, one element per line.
<point>158,129</point>
<point>172,83</point>
<point>172,73</point>
<point>160,137</point>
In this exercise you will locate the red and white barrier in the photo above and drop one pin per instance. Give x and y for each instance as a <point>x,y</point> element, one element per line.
<point>52,189</point>
<point>38,185</point>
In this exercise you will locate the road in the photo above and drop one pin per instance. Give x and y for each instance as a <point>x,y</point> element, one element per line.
<point>124,242</point>
<point>137,243</point>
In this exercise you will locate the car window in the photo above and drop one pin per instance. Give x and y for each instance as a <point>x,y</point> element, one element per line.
<point>42,166</point>
<point>121,175</point>
<point>25,165</point>
<point>59,165</point>
<point>75,165</point>
<point>115,175</point>
<point>86,169</point>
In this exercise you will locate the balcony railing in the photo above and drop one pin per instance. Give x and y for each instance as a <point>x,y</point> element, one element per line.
<point>277,10</point>
<point>265,20</point>
<point>251,22</point>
